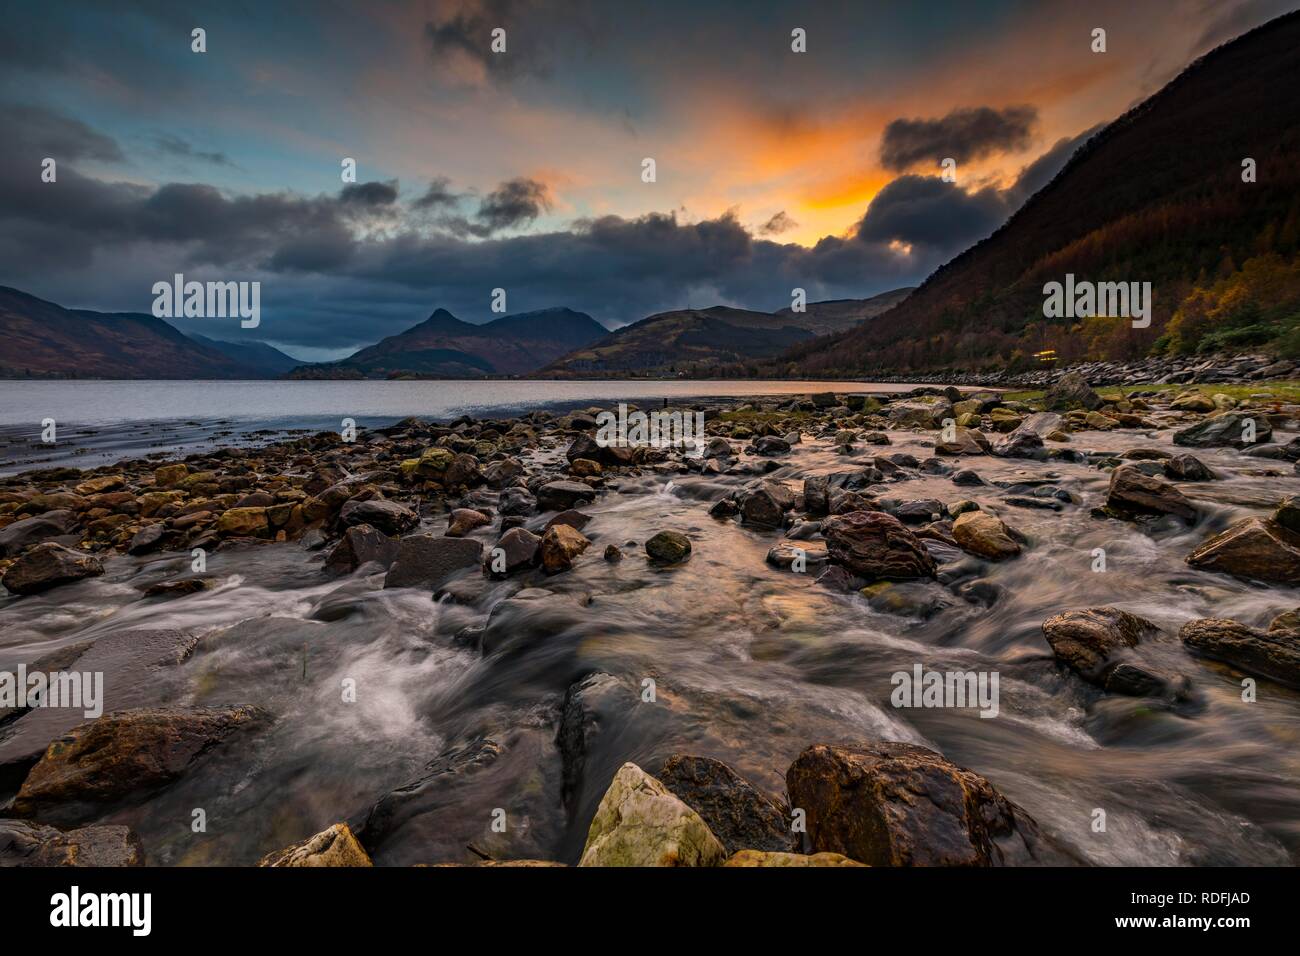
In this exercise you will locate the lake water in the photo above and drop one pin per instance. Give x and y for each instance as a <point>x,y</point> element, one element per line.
<point>101,421</point>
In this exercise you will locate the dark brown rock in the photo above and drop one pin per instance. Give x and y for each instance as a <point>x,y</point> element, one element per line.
<point>48,565</point>
<point>737,814</point>
<point>1255,548</point>
<point>897,804</point>
<point>1274,653</point>
<point>875,545</point>
<point>1131,493</point>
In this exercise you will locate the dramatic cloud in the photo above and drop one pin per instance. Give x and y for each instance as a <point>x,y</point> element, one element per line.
<point>369,194</point>
<point>778,224</point>
<point>513,203</point>
<point>439,194</point>
<point>963,135</point>
<point>45,132</point>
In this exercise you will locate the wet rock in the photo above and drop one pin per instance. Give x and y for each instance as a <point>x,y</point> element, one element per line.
<point>562,495</point>
<point>985,535</point>
<point>925,411</point>
<point>765,506</point>
<point>560,545</point>
<point>897,804</point>
<point>771,445</point>
<point>25,532</point>
<point>32,844</point>
<point>718,447</point>
<point>641,823</point>
<point>361,544</point>
<point>1133,494</point>
<point>836,578</point>
<point>613,553</point>
<point>388,516</point>
<point>464,520</point>
<point>1253,548</point>
<point>1042,424</point>
<point>1274,654</point>
<point>503,473</point>
<point>1071,391</point>
<point>463,472</point>
<point>1019,445</point>
<point>734,811</point>
<point>244,522</point>
<point>586,446</point>
<point>876,545</point>
<point>816,495</point>
<point>48,565</point>
<point>668,547</point>
<point>333,847</point>
<point>919,510</point>
<point>516,550</point>
<point>1288,514</point>
<point>176,588</point>
<point>516,502</point>
<point>1229,429</point>
<point>426,560</point>
<point>123,754</point>
<point>574,519</point>
<point>967,478</point>
<point>798,556</point>
<point>168,476</point>
<point>585,468</point>
<point>761,858</point>
<point>149,538</point>
<point>724,508</point>
<point>1187,468</point>
<point>1094,643</point>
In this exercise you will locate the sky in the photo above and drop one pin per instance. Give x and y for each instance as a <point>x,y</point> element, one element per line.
<point>523,170</point>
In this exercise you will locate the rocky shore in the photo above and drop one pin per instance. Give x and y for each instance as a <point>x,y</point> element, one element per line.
<point>1160,370</point>
<point>451,508</point>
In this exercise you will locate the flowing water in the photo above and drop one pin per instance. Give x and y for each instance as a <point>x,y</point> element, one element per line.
<point>750,665</point>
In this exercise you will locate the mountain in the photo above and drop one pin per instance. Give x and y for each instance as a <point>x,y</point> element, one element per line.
<point>714,341</point>
<point>1157,196</point>
<point>258,356</point>
<point>443,346</point>
<point>43,340</point>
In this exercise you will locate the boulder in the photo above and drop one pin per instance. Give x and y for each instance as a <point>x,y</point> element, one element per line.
<point>562,495</point>
<point>966,441</point>
<point>25,532</point>
<point>765,506</point>
<point>641,823</point>
<point>244,522</point>
<point>426,560</point>
<point>123,754</point>
<point>1019,444</point>
<point>1228,429</point>
<point>333,847</point>
<point>48,565</point>
<point>1274,654</point>
<point>1133,494</point>
<point>361,544</point>
<point>1255,548</point>
<point>897,804</point>
<point>464,520</point>
<point>668,547</point>
<point>560,545</point>
<point>501,474</point>
<point>516,502</point>
<point>985,535</point>
<point>1071,391</point>
<point>388,516</point>
<point>515,550</point>
<point>876,545</point>
<point>32,844</point>
<point>735,812</point>
<point>925,411</point>
<point>771,445</point>
<point>463,472</point>
<point>1094,643</point>
<point>1187,468</point>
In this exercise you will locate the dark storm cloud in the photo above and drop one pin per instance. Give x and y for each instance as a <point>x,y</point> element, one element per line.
<point>466,31</point>
<point>43,132</point>
<point>330,281</point>
<point>369,194</point>
<point>438,194</point>
<point>778,224</point>
<point>1044,169</point>
<point>926,210</point>
<point>181,149</point>
<point>513,203</point>
<point>963,135</point>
